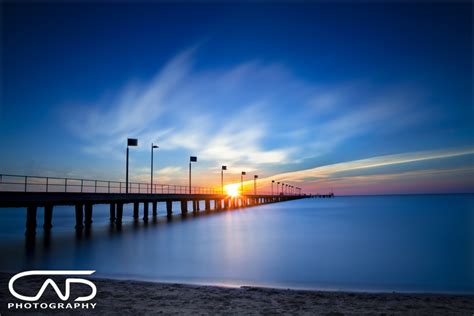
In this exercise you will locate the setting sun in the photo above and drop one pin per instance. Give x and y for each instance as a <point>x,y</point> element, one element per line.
<point>232,190</point>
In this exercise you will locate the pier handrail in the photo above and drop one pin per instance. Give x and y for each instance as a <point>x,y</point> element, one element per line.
<point>21,183</point>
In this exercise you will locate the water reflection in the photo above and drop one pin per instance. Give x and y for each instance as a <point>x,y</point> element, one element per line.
<point>416,243</point>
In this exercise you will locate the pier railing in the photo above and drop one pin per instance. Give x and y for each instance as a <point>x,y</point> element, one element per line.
<point>18,183</point>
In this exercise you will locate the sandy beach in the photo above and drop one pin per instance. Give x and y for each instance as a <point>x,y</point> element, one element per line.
<point>126,297</point>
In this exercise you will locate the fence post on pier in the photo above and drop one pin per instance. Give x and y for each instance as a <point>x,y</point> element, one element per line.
<point>112,212</point>
<point>88,215</point>
<point>135,210</point>
<point>79,216</point>
<point>48,216</point>
<point>169,208</point>
<point>155,208</point>
<point>145,211</point>
<point>31,220</point>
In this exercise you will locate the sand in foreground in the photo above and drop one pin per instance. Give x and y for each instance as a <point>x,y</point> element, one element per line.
<point>134,297</point>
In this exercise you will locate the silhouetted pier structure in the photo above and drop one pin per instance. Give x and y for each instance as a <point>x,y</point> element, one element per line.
<point>327,195</point>
<point>34,192</point>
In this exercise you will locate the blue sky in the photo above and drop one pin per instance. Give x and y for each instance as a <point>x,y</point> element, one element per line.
<point>295,92</point>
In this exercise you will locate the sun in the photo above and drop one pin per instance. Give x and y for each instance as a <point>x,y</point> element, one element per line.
<point>232,190</point>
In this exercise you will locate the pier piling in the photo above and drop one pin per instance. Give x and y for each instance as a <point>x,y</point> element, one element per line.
<point>112,212</point>
<point>155,208</point>
<point>48,216</point>
<point>88,215</point>
<point>118,220</point>
<point>145,211</point>
<point>79,216</point>
<point>31,220</point>
<point>135,210</point>
<point>169,208</point>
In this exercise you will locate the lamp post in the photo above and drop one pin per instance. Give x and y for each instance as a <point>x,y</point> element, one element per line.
<point>151,177</point>
<point>222,178</point>
<point>278,191</point>
<point>242,182</point>
<point>273,181</point>
<point>191,159</point>
<point>255,184</point>
<point>282,188</point>
<point>130,142</point>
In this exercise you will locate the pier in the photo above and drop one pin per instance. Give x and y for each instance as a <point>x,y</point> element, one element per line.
<point>34,192</point>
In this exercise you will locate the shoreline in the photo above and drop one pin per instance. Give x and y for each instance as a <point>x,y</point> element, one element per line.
<point>142,297</point>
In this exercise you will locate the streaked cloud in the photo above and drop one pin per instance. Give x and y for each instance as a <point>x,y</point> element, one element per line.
<point>373,162</point>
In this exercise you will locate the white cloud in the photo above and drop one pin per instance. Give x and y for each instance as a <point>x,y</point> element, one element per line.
<point>252,114</point>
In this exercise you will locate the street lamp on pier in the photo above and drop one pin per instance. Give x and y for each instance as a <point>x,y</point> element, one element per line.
<point>242,182</point>
<point>222,178</point>
<point>191,159</point>
<point>151,180</point>
<point>130,142</point>
<point>255,184</point>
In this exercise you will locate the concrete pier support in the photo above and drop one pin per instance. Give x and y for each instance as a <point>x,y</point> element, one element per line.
<point>112,212</point>
<point>207,205</point>
<point>136,206</point>
<point>217,205</point>
<point>48,217</point>
<point>145,211</point>
<point>118,220</point>
<point>155,208</point>
<point>184,207</point>
<point>88,215</point>
<point>79,216</point>
<point>31,220</point>
<point>169,208</point>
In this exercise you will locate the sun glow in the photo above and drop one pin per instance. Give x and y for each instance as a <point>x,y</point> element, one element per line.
<point>232,190</point>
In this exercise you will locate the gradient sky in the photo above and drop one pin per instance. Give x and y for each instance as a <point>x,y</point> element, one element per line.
<point>358,98</point>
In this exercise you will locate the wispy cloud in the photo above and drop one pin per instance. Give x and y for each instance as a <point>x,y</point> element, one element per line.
<point>253,114</point>
<point>373,162</point>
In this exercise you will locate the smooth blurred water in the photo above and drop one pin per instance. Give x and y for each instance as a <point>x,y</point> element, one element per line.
<point>421,243</point>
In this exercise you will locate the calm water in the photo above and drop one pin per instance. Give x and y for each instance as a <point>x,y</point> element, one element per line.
<point>379,243</point>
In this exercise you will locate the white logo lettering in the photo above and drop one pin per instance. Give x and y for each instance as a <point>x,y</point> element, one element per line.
<point>53,284</point>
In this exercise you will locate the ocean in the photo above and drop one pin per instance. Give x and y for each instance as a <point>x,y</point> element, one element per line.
<point>406,243</point>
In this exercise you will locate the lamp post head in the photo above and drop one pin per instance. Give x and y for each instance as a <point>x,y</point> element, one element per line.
<point>193,159</point>
<point>255,176</point>
<point>132,142</point>
<point>224,167</point>
<point>244,173</point>
<point>273,181</point>
<point>154,146</point>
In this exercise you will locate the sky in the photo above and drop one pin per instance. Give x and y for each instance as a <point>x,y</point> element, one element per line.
<point>355,98</point>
